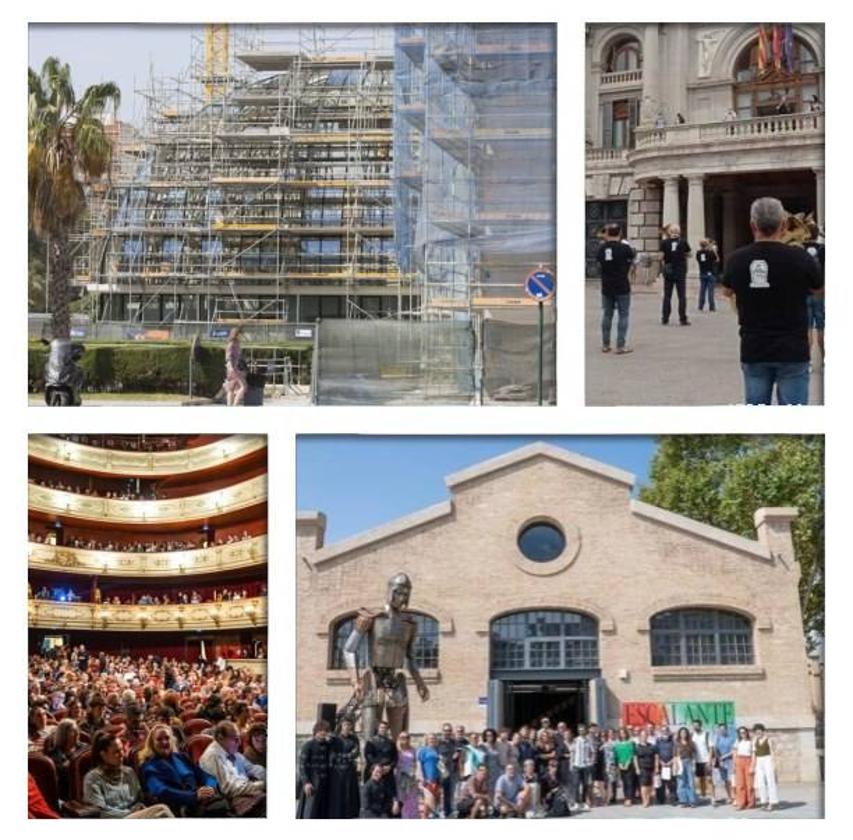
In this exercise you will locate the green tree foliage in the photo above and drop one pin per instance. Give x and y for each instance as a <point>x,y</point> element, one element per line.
<point>724,479</point>
<point>67,146</point>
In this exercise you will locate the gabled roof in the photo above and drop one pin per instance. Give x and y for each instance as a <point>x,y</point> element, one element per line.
<point>444,509</point>
<point>539,450</point>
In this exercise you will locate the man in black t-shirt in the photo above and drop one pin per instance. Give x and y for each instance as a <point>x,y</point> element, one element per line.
<point>707,258</point>
<point>615,258</point>
<point>771,282</point>
<point>675,251</point>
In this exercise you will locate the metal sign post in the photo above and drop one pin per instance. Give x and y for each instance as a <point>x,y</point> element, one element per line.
<point>541,286</point>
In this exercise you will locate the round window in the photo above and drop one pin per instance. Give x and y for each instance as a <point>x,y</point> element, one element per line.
<point>541,542</point>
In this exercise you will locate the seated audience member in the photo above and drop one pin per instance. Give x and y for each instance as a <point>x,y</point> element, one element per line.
<point>114,788</point>
<point>242,783</point>
<point>61,746</point>
<point>95,719</point>
<point>38,728</point>
<point>170,777</point>
<point>256,744</point>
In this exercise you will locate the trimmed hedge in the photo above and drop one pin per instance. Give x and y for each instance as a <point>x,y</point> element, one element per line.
<point>141,368</point>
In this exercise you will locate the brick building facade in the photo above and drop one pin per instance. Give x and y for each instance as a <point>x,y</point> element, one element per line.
<point>642,612</point>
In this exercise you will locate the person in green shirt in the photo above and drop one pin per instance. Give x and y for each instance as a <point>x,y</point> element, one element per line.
<point>625,752</point>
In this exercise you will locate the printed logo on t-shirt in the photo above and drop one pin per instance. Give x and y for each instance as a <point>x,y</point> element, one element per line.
<point>701,258</point>
<point>673,246</point>
<point>758,271</point>
<point>608,254</point>
<point>812,251</point>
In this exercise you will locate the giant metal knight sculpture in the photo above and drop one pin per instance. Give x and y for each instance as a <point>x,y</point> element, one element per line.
<point>380,687</point>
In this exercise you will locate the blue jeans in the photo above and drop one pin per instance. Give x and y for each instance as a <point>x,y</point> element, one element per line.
<point>622,304</point>
<point>790,378</point>
<point>706,289</point>
<point>686,789</point>
<point>817,312</point>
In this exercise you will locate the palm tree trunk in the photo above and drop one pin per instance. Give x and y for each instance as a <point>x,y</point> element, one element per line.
<point>60,285</point>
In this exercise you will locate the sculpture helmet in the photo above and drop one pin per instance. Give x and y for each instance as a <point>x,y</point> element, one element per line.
<point>399,583</point>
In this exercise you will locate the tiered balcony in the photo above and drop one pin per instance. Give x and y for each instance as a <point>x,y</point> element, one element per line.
<point>217,559</point>
<point>222,615</point>
<point>621,79</point>
<point>217,503</point>
<point>138,464</point>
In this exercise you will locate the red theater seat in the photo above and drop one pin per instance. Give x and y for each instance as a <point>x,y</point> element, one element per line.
<point>196,725</point>
<point>190,714</point>
<point>196,746</point>
<point>259,717</point>
<point>118,720</point>
<point>58,716</point>
<point>80,765</point>
<point>43,771</point>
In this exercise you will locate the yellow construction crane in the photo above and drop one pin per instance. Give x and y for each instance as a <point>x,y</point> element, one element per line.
<point>215,59</point>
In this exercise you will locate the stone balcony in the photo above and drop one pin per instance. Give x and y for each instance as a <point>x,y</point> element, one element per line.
<point>220,615</point>
<point>60,503</point>
<point>621,79</point>
<point>200,561</point>
<point>600,159</point>
<point>787,141</point>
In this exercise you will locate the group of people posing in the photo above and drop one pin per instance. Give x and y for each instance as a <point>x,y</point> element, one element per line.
<point>544,772</point>
<point>777,289</point>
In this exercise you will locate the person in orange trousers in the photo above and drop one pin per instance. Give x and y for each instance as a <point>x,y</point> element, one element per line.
<point>744,769</point>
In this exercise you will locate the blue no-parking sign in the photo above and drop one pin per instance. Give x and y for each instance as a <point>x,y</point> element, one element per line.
<point>540,285</point>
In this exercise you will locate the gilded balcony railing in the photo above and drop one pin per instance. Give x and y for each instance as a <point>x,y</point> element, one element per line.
<point>118,462</point>
<point>223,615</point>
<point>220,558</point>
<point>119,511</point>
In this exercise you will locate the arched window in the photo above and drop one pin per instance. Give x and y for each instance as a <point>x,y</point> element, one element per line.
<point>701,637</point>
<point>425,650</point>
<point>773,90</point>
<point>624,54</point>
<point>544,639</point>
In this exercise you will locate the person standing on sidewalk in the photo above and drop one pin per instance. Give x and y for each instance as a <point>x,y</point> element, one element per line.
<point>765,769</point>
<point>771,282</point>
<point>707,258</point>
<point>744,768</point>
<point>616,258</point>
<point>675,251</point>
<point>685,751</point>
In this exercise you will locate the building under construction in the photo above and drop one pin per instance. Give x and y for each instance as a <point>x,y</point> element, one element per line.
<point>260,187</point>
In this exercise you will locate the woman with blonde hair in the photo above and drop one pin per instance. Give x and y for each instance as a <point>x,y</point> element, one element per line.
<point>405,776</point>
<point>172,778</point>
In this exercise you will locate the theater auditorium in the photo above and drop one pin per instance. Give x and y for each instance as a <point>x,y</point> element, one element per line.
<point>147,609</point>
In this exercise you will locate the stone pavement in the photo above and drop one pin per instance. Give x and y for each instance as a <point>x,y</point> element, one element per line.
<point>798,801</point>
<point>670,365</point>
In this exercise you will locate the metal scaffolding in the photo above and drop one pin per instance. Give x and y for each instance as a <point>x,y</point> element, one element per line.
<point>259,187</point>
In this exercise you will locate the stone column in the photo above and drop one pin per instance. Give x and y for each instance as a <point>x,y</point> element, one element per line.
<point>651,73</point>
<point>670,201</point>
<point>819,185</point>
<point>678,70</point>
<point>695,219</point>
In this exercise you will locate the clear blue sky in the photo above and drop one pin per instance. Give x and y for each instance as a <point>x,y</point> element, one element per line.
<point>128,53</point>
<point>360,482</point>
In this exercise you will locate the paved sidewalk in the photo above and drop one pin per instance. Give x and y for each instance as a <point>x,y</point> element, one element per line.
<point>798,801</point>
<point>670,365</point>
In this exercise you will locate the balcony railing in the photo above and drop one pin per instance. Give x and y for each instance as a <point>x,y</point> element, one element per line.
<point>769,128</point>
<point>188,508</point>
<point>199,561</point>
<point>230,615</point>
<point>138,464</point>
<point>606,158</point>
<point>623,77</point>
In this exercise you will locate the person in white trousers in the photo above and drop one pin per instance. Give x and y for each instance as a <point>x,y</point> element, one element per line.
<point>765,770</point>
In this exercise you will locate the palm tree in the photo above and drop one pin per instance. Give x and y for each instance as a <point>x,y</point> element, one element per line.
<point>67,147</point>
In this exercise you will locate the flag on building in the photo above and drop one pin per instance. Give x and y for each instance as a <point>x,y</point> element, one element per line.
<point>777,46</point>
<point>789,47</point>
<point>763,48</point>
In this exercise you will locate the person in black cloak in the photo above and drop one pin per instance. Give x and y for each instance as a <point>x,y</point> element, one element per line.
<point>315,775</point>
<point>381,750</point>
<point>345,797</point>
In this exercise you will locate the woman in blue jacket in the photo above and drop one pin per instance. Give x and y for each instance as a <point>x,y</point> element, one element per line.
<point>172,778</point>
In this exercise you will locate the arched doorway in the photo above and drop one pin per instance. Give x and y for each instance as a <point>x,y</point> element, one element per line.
<point>543,663</point>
